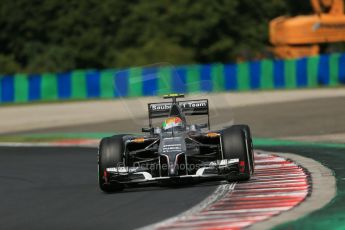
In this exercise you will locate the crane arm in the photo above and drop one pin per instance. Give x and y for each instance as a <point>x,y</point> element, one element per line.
<point>333,7</point>
<point>301,35</point>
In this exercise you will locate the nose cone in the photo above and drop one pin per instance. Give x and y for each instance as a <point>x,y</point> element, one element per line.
<point>172,170</point>
<point>172,148</point>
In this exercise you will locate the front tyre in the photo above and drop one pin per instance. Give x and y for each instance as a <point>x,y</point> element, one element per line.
<point>109,155</point>
<point>234,146</point>
<point>249,143</point>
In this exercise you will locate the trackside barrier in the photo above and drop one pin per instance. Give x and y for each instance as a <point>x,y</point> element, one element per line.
<point>323,70</point>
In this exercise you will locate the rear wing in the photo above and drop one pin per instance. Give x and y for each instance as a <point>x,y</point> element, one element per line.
<point>189,108</point>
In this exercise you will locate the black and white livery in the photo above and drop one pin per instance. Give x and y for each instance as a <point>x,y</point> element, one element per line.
<point>177,151</point>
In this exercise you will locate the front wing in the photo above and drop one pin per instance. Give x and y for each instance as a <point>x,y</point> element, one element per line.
<point>222,169</point>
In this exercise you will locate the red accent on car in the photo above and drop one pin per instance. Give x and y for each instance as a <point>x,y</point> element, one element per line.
<point>242,166</point>
<point>105,176</point>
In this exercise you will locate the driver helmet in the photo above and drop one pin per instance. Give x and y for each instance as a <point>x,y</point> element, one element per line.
<point>172,122</point>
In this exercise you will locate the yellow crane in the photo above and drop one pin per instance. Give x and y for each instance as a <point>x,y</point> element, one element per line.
<point>299,36</point>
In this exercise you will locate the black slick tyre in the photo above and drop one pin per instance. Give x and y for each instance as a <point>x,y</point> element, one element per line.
<point>110,155</point>
<point>234,146</point>
<point>249,143</point>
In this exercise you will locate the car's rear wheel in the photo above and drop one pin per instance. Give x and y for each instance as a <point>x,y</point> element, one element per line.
<point>249,143</point>
<point>110,155</point>
<point>234,146</point>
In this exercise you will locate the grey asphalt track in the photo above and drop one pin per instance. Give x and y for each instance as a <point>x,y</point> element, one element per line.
<point>56,188</point>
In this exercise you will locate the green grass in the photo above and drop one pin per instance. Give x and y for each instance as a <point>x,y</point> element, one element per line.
<point>264,142</point>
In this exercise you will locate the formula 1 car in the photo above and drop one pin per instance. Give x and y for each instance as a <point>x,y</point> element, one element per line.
<point>177,151</point>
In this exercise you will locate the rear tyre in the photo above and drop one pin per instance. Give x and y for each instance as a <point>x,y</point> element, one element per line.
<point>234,146</point>
<point>110,155</point>
<point>249,141</point>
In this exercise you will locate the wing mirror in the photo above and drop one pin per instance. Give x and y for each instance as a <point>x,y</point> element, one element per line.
<point>202,126</point>
<point>147,130</point>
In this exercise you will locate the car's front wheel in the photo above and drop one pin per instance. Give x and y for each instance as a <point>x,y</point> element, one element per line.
<point>249,143</point>
<point>234,146</point>
<point>109,155</point>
